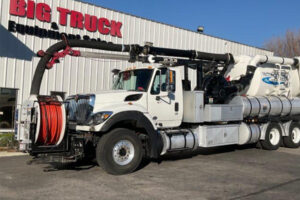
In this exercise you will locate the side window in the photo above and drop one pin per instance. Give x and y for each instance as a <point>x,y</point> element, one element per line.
<point>156,84</point>
<point>8,99</point>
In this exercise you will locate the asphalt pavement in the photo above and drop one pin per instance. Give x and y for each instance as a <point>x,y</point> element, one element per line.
<point>220,173</point>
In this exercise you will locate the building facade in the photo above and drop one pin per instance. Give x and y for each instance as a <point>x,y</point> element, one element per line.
<point>27,26</point>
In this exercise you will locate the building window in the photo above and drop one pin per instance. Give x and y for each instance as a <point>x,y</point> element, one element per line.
<point>8,99</point>
<point>61,94</point>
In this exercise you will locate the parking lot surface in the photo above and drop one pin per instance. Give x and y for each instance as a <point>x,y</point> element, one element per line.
<point>220,173</point>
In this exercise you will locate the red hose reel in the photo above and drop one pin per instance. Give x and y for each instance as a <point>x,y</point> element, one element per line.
<point>51,121</point>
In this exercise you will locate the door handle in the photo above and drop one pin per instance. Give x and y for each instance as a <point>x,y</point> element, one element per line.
<point>176,107</point>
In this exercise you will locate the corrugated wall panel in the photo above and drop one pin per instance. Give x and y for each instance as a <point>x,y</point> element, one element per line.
<point>2,59</point>
<point>80,75</point>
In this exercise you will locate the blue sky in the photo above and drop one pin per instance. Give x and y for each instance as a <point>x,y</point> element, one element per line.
<point>247,21</point>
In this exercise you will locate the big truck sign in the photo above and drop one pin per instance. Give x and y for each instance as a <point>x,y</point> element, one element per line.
<point>75,19</point>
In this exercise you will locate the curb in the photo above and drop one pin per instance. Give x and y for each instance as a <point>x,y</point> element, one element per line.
<point>11,154</point>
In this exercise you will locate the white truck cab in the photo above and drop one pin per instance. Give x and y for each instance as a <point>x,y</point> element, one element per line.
<point>145,90</point>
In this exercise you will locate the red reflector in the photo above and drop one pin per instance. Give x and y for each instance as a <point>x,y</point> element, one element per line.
<point>40,53</point>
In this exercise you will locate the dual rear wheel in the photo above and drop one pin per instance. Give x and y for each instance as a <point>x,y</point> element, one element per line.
<point>274,137</point>
<point>293,139</point>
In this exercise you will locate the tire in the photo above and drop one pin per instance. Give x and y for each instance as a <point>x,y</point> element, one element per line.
<point>119,152</point>
<point>273,137</point>
<point>293,139</point>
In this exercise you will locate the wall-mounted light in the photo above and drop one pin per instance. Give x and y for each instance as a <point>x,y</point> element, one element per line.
<point>200,29</point>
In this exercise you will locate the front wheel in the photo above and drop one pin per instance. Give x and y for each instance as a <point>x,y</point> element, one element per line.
<point>119,152</point>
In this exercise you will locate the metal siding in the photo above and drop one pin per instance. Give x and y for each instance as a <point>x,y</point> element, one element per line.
<point>80,75</point>
<point>2,59</point>
<point>1,6</point>
<point>108,65</point>
<point>66,68</point>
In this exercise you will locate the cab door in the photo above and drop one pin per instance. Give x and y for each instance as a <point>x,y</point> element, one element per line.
<point>165,97</point>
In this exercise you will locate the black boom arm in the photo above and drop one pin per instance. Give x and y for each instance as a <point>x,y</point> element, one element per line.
<point>137,53</point>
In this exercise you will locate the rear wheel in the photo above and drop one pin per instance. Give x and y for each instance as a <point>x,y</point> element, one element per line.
<point>293,139</point>
<point>119,152</point>
<point>273,137</point>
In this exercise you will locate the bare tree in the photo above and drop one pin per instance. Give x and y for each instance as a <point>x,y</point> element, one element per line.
<point>286,46</point>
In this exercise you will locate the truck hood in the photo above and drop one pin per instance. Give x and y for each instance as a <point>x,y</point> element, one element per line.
<point>113,96</point>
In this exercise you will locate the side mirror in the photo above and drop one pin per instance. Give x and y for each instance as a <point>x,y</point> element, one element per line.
<point>115,75</point>
<point>171,81</point>
<point>115,79</point>
<point>115,71</point>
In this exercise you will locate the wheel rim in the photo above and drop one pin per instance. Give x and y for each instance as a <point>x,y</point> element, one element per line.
<point>123,152</point>
<point>295,135</point>
<point>274,136</point>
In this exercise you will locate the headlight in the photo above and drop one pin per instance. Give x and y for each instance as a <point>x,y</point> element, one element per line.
<point>99,118</point>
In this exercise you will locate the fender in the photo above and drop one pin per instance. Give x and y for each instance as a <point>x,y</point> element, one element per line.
<point>286,128</point>
<point>263,129</point>
<point>142,121</point>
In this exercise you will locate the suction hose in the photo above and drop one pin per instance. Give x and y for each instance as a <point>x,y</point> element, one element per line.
<point>39,72</point>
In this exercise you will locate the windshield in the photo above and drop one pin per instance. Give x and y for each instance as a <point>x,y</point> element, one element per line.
<point>134,80</point>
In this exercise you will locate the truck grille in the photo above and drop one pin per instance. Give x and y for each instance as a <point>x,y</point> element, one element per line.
<point>79,108</point>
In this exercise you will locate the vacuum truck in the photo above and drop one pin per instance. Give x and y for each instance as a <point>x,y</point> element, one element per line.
<point>152,111</point>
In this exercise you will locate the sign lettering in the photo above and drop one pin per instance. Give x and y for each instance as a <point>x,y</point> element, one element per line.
<point>75,19</point>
